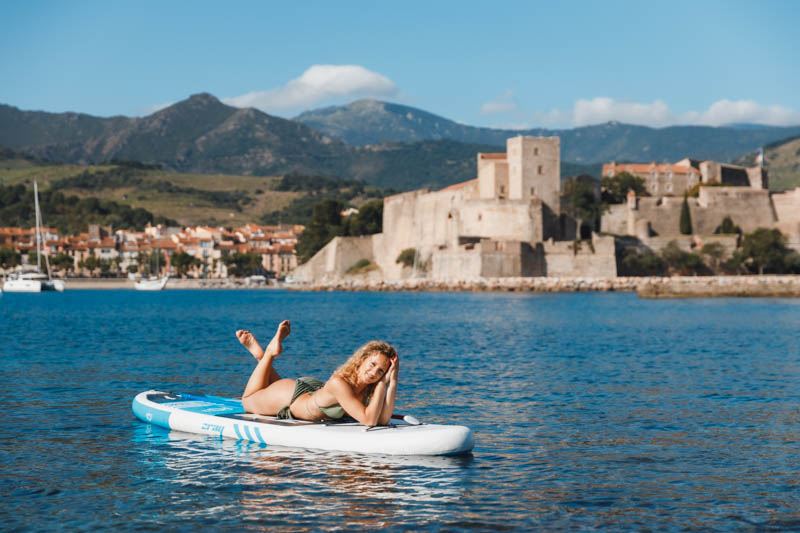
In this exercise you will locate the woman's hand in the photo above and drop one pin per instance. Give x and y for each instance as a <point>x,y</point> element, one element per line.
<point>393,372</point>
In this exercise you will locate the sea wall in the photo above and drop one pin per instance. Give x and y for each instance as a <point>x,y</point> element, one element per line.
<point>646,287</point>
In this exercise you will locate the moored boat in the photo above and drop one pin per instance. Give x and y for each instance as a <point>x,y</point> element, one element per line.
<point>153,284</point>
<point>33,279</point>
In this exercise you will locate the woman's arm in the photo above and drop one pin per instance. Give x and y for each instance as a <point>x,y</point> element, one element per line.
<point>391,390</point>
<point>352,405</point>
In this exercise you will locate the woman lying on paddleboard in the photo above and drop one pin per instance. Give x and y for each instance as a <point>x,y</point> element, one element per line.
<point>370,375</point>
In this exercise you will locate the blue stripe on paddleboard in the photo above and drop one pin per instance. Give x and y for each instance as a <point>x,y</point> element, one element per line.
<point>150,415</point>
<point>258,434</point>
<point>238,433</point>
<point>247,432</point>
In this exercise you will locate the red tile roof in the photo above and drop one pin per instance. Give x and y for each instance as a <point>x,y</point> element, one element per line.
<point>457,186</point>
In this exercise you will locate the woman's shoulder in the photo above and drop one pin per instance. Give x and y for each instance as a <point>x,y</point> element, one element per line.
<point>337,383</point>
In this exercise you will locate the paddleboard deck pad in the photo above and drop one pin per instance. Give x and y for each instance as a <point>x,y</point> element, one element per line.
<point>226,418</point>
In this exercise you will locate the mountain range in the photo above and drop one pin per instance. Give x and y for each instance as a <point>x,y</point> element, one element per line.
<point>384,144</point>
<point>367,122</point>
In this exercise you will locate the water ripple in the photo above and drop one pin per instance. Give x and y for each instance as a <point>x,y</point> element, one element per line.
<point>590,411</point>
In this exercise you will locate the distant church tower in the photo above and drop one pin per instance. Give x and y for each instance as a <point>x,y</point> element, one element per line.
<point>534,170</point>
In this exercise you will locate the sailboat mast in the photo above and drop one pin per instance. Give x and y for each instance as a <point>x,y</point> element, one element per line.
<point>38,234</point>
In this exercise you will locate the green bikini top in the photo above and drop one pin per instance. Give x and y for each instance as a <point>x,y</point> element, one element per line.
<point>312,385</point>
<point>331,411</point>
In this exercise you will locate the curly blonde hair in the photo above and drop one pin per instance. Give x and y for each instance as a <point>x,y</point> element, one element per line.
<point>350,367</point>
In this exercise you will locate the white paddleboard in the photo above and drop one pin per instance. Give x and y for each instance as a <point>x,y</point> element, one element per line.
<point>226,418</point>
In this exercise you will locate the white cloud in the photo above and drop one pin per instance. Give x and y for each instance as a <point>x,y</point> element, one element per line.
<point>728,112</point>
<point>598,110</point>
<point>317,84</point>
<point>504,104</point>
<point>657,114</point>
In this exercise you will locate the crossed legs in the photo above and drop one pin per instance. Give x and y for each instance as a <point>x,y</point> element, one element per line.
<point>266,393</point>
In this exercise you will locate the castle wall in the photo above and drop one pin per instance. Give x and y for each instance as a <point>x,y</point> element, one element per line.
<point>488,259</point>
<point>787,209</point>
<point>333,260</point>
<point>430,221</point>
<point>749,208</point>
<point>563,260</point>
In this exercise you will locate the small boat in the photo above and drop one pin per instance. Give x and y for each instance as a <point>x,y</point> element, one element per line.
<point>34,280</point>
<point>226,418</point>
<point>152,284</point>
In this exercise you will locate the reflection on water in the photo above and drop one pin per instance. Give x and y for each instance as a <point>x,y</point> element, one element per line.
<point>272,483</point>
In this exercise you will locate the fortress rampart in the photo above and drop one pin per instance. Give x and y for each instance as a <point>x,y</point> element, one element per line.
<point>749,208</point>
<point>507,222</point>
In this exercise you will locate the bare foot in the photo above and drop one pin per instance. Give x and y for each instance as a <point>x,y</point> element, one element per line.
<point>250,342</point>
<point>275,346</point>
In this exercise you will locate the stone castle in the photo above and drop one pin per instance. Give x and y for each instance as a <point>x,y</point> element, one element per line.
<point>508,222</point>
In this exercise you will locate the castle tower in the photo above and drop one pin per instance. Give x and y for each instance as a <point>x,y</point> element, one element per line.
<point>534,170</point>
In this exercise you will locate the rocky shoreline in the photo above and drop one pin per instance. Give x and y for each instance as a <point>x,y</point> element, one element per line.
<point>645,287</point>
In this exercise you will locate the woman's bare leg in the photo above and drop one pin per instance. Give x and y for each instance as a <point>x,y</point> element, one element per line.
<point>249,341</point>
<point>264,375</point>
<point>270,400</point>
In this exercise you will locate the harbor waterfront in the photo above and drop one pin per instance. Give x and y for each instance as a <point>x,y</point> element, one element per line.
<point>769,286</point>
<point>590,410</point>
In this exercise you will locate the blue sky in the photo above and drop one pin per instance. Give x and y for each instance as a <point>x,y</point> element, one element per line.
<point>510,64</point>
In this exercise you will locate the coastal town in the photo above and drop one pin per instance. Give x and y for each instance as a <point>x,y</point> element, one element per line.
<point>199,252</point>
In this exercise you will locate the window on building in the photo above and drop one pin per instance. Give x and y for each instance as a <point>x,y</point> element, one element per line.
<point>536,151</point>
<point>533,191</point>
<point>669,187</point>
<point>540,170</point>
<point>502,189</point>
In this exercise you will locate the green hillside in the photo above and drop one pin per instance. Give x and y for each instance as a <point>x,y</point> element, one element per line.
<point>105,191</point>
<point>782,161</point>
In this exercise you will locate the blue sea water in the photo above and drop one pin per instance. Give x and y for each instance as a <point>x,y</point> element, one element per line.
<point>590,411</point>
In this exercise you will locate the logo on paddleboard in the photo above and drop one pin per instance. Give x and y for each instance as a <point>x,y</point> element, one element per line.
<point>149,416</point>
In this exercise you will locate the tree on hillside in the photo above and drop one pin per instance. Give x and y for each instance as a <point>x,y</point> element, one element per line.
<point>615,189</point>
<point>636,262</point>
<point>728,227</point>
<point>368,220</point>
<point>681,262</point>
<point>582,203</point>
<point>764,250</point>
<point>685,223</point>
<point>714,251</point>
<point>326,223</point>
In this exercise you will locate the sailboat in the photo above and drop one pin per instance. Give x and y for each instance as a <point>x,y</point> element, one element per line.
<point>154,283</point>
<point>35,280</point>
